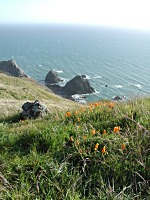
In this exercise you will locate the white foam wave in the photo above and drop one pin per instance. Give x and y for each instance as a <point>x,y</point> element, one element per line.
<point>79,98</point>
<point>58,71</point>
<point>87,77</point>
<point>138,85</point>
<point>63,82</point>
<point>76,96</point>
<point>119,86</point>
<point>97,76</point>
<point>96,92</point>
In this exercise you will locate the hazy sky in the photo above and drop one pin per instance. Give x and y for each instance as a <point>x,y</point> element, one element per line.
<point>122,13</point>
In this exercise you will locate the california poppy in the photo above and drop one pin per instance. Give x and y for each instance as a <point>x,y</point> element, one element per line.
<point>104,149</point>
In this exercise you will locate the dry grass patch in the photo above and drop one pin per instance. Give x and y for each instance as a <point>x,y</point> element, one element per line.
<point>16,91</point>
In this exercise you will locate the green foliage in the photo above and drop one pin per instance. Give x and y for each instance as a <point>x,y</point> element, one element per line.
<point>70,156</point>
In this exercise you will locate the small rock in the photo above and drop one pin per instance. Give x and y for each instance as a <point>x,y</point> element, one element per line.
<point>118,98</point>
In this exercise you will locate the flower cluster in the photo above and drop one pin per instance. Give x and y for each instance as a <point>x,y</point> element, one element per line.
<point>91,107</point>
<point>85,136</point>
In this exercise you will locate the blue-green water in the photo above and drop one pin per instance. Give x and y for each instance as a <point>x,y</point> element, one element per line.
<point>114,57</point>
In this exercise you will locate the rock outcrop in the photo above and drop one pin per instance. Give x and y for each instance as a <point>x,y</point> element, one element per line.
<point>77,85</point>
<point>10,67</point>
<point>33,110</point>
<point>52,77</point>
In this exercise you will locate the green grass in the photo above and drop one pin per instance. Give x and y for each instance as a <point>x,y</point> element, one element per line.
<point>56,157</point>
<point>16,91</point>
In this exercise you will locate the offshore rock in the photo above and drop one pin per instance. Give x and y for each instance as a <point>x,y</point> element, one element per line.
<point>77,85</point>
<point>10,67</point>
<point>118,98</point>
<point>33,110</point>
<point>52,77</point>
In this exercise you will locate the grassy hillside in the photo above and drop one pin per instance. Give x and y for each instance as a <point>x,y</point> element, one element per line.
<point>101,151</point>
<point>16,91</point>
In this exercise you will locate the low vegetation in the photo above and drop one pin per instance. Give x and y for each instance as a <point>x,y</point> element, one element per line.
<point>16,91</point>
<point>99,151</point>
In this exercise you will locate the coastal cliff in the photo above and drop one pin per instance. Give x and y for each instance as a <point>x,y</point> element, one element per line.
<point>10,67</point>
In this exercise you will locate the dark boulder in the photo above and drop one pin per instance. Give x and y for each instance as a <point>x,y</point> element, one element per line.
<point>33,110</point>
<point>52,77</point>
<point>78,85</point>
<point>10,67</point>
<point>118,98</point>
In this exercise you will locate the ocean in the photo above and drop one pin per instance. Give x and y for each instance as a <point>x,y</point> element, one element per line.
<point>116,61</point>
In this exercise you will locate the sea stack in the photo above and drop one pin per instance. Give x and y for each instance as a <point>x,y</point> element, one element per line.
<point>78,85</point>
<point>52,78</point>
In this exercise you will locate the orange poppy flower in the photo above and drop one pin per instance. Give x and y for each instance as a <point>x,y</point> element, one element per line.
<point>78,119</point>
<point>82,109</point>
<point>111,104</point>
<point>95,104</point>
<point>84,137</point>
<point>76,112</point>
<point>116,129</point>
<point>91,104</point>
<point>123,146</point>
<point>71,139</point>
<point>96,147</point>
<point>104,131</point>
<point>104,149</point>
<point>68,114</point>
<point>93,132</point>
<point>100,103</point>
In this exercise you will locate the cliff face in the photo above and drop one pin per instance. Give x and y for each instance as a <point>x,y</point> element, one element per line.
<point>10,67</point>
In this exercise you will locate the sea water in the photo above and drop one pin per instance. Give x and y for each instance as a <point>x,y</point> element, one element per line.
<point>116,61</point>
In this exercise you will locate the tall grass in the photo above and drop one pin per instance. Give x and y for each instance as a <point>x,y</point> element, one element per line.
<point>97,152</point>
